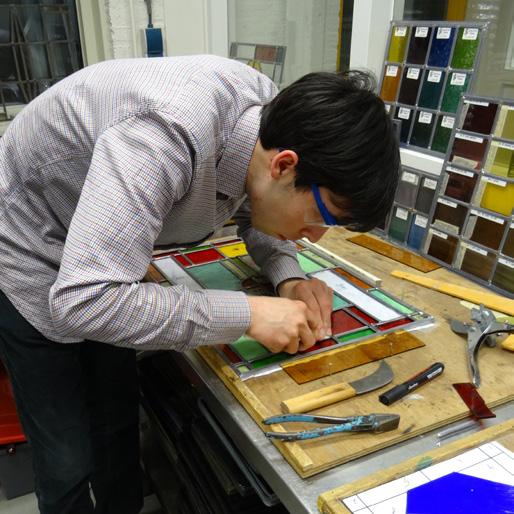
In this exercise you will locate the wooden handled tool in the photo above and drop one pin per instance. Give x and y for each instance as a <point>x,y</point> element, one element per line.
<point>338,392</point>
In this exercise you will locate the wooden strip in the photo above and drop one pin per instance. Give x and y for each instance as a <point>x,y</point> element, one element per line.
<point>293,451</point>
<point>508,343</point>
<point>493,301</point>
<point>153,275</point>
<point>393,252</point>
<point>333,361</point>
<point>330,502</point>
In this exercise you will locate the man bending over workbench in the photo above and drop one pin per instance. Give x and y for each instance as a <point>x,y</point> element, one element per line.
<point>127,155</point>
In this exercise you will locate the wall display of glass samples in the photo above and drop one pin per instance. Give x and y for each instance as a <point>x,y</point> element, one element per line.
<point>360,310</point>
<point>408,219</point>
<point>428,66</point>
<point>472,221</point>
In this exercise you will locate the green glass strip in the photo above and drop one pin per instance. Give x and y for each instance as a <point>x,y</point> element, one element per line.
<point>247,270</point>
<point>236,270</point>
<point>249,349</point>
<point>307,265</point>
<point>465,51</point>
<point>338,302</point>
<point>355,335</point>
<point>243,369</point>
<point>379,295</point>
<point>215,276</point>
<point>278,357</point>
<point>317,258</point>
<point>197,248</point>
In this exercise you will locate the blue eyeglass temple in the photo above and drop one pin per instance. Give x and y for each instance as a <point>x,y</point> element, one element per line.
<point>327,217</point>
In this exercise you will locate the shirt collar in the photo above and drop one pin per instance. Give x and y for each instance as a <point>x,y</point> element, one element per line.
<point>233,166</point>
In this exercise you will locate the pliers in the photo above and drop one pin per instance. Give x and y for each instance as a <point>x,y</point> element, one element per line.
<point>367,423</point>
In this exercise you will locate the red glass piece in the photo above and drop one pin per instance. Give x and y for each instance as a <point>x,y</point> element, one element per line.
<point>230,354</point>
<point>394,324</point>
<point>10,427</point>
<point>319,345</point>
<point>205,256</point>
<point>343,322</point>
<point>363,315</point>
<point>354,280</point>
<point>182,260</point>
<point>471,397</point>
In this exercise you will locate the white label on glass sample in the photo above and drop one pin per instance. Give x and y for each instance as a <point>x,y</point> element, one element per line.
<point>487,216</point>
<point>400,31</point>
<point>421,221</point>
<point>509,146</point>
<point>468,137</point>
<point>442,235</point>
<point>495,181</point>
<point>425,117</point>
<point>458,79</point>
<point>354,295</point>
<point>474,249</point>
<point>506,262</point>
<point>460,172</point>
<point>410,177</point>
<point>509,107</point>
<point>448,122</point>
<point>434,76</point>
<point>453,205</point>
<point>413,73</point>
<point>403,214</point>
<point>470,34</point>
<point>421,32</point>
<point>392,71</point>
<point>404,113</point>
<point>387,107</point>
<point>443,33</point>
<point>429,183</point>
<point>476,102</point>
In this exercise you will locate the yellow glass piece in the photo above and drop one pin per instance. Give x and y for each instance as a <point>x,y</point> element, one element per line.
<point>398,44</point>
<point>234,250</point>
<point>505,124</point>
<point>498,199</point>
<point>502,161</point>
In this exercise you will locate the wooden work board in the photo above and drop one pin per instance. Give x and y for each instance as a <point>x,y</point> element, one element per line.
<point>434,405</point>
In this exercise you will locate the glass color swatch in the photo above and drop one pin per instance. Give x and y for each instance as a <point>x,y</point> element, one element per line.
<point>428,66</point>
<point>360,310</point>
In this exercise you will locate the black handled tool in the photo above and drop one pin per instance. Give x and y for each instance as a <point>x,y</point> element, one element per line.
<point>416,381</point>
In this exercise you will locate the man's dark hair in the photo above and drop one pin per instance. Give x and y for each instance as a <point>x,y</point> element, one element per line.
<point>344,139</point>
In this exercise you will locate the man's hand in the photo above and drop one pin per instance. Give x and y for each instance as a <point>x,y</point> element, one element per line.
<point>318,298</point>
<point>280,324</point>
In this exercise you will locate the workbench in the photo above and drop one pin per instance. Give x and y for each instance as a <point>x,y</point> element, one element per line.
<point>301,495</point>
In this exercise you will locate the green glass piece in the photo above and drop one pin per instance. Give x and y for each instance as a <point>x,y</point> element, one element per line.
<point>453,92</point>
<point>338,302</point>
<point>215,276</point>
<point>318,258</point>
<point>247,270</point>
<point>354,335</point>
<point>307,265</point>
<point>197,248</point>
<point>398,227</point>
<point>465,50</point>
<point>278,357</point>
<point>243,369</point>
<point>441,138</point>
<point>249,349</point>
<point>380,295</point>
<point>431,90</point>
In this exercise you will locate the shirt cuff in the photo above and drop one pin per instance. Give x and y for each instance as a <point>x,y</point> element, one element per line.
<point>282,268</point>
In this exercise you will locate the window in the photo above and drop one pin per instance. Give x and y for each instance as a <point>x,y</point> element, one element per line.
<point>39,45</point>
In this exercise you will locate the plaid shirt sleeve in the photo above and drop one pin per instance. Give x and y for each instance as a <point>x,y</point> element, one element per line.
<point>129,189</point>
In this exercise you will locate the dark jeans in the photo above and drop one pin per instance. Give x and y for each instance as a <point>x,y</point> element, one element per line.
<point>79,408</point>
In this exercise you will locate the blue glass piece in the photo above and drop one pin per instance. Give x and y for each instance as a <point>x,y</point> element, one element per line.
<point>441,49</point>
<point>457,493</point>
<point>416,235</point>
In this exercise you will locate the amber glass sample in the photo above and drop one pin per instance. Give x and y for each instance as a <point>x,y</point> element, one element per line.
<point>500,159</point>
<point>477,263</point>
<point>398,44</point>
<point>487,231</point>
<point>508,246</point>
<point>460,185</point>
<point>407,189</point>
<point>422,129</point>
<point>409,87</point>
<point>418,45</point>
<point>390,82</point>
<point>442,134</point>
<point>399,224</point>
<point>441,48</point>
<point>449,215</point>
<point>431,90</point>
<point>405,117</point>
<point>468,152</point>
<point>466,48</point>
<point>479,118</point>
<point>442,246</point>
<point>456,85</point>
<point>426,195</point>
<point>504,275</point>
<point>505,124</point>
